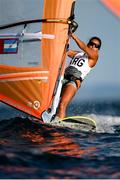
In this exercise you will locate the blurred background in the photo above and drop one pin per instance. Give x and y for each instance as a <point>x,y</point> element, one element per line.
<point>96,19</point>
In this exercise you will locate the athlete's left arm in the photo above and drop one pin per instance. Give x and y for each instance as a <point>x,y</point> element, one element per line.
<point>71,53</point>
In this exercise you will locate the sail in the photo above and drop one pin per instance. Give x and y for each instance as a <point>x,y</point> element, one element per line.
<point>113,5</point>
<point>32,61</point>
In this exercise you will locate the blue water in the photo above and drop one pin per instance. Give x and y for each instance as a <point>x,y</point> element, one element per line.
<point>35,151</point>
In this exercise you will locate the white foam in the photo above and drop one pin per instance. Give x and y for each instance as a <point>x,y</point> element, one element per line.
<point>105,123</point>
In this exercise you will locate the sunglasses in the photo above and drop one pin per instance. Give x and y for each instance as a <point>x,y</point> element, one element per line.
<point>94,44</point>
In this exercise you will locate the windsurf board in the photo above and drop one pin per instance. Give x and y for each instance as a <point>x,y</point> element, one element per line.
<point>76,122</point>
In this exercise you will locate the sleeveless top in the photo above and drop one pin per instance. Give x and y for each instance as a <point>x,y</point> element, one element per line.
<point>78,66</point>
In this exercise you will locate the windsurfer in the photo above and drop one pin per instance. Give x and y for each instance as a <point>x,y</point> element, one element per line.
<point>80,65</point>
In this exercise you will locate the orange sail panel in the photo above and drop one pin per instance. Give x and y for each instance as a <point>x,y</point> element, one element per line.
<point>113,5</point>
<point>29,84</point>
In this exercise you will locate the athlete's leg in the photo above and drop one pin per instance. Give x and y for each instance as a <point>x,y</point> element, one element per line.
<point>68,93</point>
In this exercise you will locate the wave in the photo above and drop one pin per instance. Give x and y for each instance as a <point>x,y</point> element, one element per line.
<point>21,125</point>
<point>106,115</point>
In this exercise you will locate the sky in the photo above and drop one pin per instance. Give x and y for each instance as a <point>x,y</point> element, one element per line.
<point>95,19</point>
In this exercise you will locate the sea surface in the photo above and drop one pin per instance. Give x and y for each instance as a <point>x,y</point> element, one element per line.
<point>36,151</point>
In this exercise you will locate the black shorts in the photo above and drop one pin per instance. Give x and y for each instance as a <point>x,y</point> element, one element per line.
<point>72,80</point>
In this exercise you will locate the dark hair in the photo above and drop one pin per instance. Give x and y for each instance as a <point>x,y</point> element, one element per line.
<point>97,38</point>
